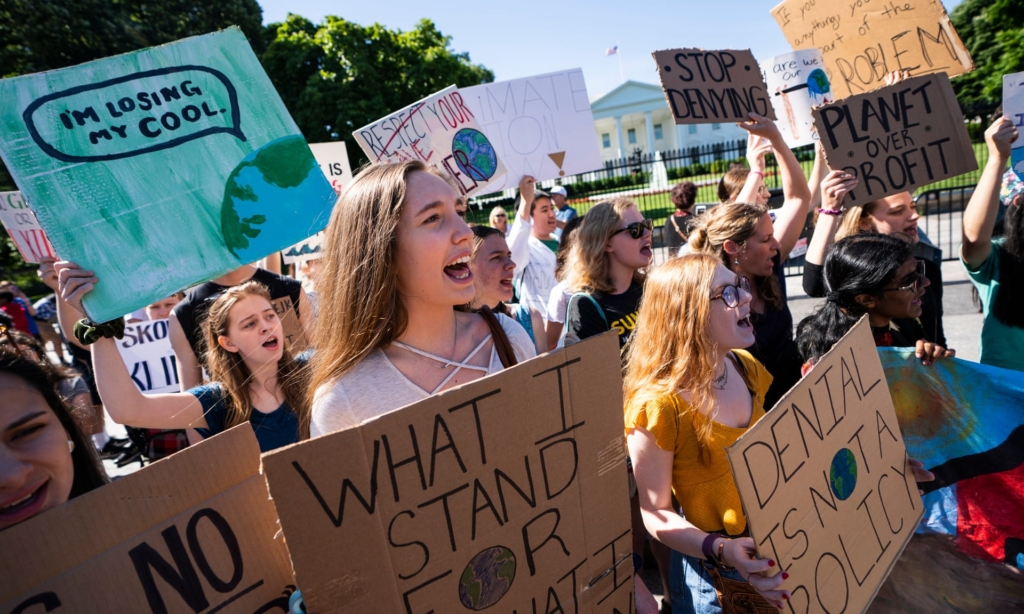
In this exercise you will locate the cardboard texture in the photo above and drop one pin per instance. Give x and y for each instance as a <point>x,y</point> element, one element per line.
<point>897,137</point>
<point>1013,108</point>
<point>862,41</point>
<point>441,131</point>
<point>796,83</point>
<point>333,161</point>
<point>712,87</point>
<point>540,126</point>
<point>173,537</point>
<point>293,330</point>
<point>161,168</point>
<point>825,484</point>
<point>24,229</point>
<point>146,351</point>
<point>507,493</point>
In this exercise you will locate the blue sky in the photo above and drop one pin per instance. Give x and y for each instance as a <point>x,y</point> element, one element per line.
<point>531,37</point>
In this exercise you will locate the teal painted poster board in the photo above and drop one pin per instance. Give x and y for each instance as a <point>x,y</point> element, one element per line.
<point>161,168</point>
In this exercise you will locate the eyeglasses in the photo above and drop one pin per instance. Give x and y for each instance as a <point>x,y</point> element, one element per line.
<point>730,295</point>
<point>501,216</point>
<point>910,285</point>
<point>636,229</point>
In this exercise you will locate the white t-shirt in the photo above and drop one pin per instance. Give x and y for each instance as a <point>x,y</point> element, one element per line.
<point>558,302</point>
<point>375,386</point>
<point>535,266</point>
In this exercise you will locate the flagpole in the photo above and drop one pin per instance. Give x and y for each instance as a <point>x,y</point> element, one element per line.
<point>622,75</point>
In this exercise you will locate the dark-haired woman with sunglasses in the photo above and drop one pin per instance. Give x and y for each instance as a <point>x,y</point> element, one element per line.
<point>605,271</point>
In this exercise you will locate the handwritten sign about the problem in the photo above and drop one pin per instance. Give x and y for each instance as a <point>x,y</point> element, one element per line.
<point>825,481</point>
<point>1013,109</point>
<point>146,351</point>
<point>160,540</point>
<point>711,87</point>
<point>896,138</point>
<point>863,40</point>
<point>442,131</point>
<point>540,126</point>
<point>161,168</point>
<point>796,83</point>
<point>24,228</point>
<point>507,493</point>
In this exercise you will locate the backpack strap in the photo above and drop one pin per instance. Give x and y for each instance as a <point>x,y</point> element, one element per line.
<point>590,298</point>
<point>502,344</point>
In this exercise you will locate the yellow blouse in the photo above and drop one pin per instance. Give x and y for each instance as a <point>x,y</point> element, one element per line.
<point>705,491</point>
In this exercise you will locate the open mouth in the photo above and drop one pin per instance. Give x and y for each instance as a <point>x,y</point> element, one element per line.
<point>506,283</point>
<point>271,343</point>
<point>24,507</point>
<point>646,251</point>
<point>458,269</point>
<point>911,231</point>
<point>744,322</point>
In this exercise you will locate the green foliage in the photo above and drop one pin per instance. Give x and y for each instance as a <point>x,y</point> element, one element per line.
<point>338,76</point>
<point>993,31</point>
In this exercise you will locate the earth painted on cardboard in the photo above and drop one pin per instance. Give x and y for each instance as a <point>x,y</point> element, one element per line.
<point>843,474</point>
<point>487,578</point>
<point>474,154</point>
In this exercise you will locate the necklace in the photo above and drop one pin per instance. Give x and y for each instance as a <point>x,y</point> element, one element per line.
<point>723,379</point>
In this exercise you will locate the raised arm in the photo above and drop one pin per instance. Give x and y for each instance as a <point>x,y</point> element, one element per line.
<point>522,226</point>
<point>834,188</point>
<point>756,150</point>
<point>980,215</point>
<point>66,316</point>
<point>818,172</point>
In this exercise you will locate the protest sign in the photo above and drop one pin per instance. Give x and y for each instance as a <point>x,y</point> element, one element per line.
<point>162,167</point>
<point>333,161</point>
<point>863,41</point>
<point>293,331</point>
<point>540,126</point>
<point>24,228</point>
<point>825,483</point>
<point>896,138</point>
<point>441,131</point>
<point>193,532</point>
<point>712,87</point>
<point>796,83</point>
<point>508,492</point>
<point>1013,109</point>
<point>146,351</point>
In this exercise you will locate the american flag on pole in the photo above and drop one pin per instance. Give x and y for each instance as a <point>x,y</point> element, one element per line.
<point>612,50</point>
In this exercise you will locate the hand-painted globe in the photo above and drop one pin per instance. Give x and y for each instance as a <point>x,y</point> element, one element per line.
<point>843,474</point>
<point>817,82</point>
<point>487,578</point>
<point>277,186</point>
<point>474,154</point>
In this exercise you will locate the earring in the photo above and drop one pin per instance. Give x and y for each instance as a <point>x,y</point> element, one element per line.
<point>71,446</point>
<point>736,262</point>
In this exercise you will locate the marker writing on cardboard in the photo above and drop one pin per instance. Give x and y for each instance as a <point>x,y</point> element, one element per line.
<point>711,95</point>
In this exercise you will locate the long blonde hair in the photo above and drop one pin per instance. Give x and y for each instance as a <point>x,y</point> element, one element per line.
<point>672,348</point>
<point>850,224</point>
<point>230,371</point>
<point>735,222</point>
<point>588,266</point>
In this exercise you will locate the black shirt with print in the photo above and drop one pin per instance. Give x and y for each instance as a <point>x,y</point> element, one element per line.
<point>584,320</point>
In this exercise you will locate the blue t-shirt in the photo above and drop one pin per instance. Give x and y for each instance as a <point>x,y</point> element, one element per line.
<point>277,429</point>
<point>1000,344</point>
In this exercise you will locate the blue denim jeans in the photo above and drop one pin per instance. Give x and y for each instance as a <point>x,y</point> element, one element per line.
<point>692,590</point>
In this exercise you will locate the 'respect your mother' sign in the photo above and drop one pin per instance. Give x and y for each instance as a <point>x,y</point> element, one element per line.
<point>161,168</point>
<point>825,482</point>
<point>441,131</point>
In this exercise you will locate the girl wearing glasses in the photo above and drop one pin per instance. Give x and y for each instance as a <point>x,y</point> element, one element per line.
<point>605,271</point>
<point>869,274</point>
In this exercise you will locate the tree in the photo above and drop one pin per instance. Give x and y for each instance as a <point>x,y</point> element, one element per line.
<point>339,76</point>
<point>993,31</point>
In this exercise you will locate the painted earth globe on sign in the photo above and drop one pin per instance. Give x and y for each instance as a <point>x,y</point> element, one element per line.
<point>843,474</point>
<point>487,578</point>
<point>474,154</point>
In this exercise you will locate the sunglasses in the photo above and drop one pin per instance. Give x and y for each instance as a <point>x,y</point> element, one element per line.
<point>637,229</point>
<point>501,216</point>
<point>730,295</point>
<point>914,284</point>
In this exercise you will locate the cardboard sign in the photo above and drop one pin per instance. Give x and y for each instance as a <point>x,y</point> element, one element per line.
<point>896,138</point>
<point>540,126</point>
<point>825,482</point>
<point>146,351</point>
<point>24,228</point>
<point>293,331</point>
<point>507,493</point>
<point>333,161</point>
<point>863,41</point>
<point>712,87</point>
<point>161,168</point>
<point>1013,109</point>
<point>441,131</point>
<point>797,82</point>
<point>193,532</point>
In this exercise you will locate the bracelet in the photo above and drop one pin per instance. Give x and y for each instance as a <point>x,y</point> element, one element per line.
<point>824,211</point>
<point>721,556</point>
<point>757,173</point>
<point>707,546</point>
<point>88,332</point>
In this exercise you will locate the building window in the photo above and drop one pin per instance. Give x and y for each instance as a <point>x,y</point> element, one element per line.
<point>716,126</point>
<point>692,128</point>
<point>658,134</point>
<point>631,136</point>
<point>606,140</point>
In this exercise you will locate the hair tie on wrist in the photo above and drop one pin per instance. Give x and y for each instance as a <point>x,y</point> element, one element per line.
<point>757,173</point>
<point>832,297</point>
<point>88,332</point>
<point>831,211</point>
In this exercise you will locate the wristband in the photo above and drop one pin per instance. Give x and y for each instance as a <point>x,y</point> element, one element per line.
<point>707,548</point>
<point>757,173</point>
<point>88,332</point>
<point>824,211</point>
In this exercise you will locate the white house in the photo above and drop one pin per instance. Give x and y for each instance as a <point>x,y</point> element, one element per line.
<point>635,115</point>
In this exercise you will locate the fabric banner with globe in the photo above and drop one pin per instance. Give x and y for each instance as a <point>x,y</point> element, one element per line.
<point>161,168</point>
<point>965,421</point>
<point>441,131</point>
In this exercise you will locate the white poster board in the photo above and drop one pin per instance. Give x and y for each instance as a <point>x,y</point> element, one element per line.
<point>1013,109</point>
<point>796,83</point>
<point>540,126</point>
<point>24,228</point>
<point>146,351</point>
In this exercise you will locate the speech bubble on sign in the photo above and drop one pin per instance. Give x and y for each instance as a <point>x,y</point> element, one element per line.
<point>134,114</point>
